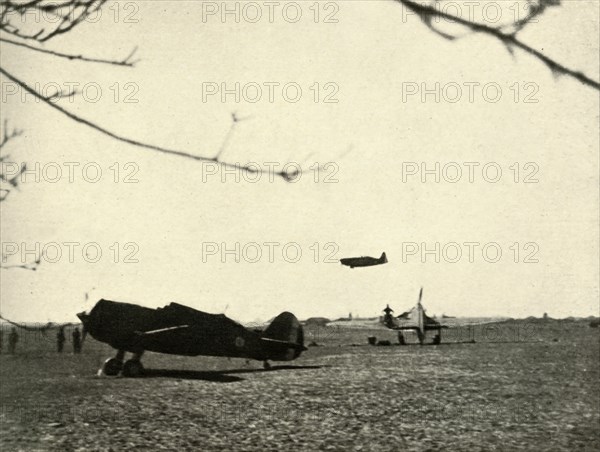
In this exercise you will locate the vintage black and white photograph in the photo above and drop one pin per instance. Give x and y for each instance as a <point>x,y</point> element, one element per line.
<point>363,225</point>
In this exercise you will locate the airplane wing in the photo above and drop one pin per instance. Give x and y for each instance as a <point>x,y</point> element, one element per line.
<point>168,338</point>
<point>284,344</point>
<point>416,328</point>
<point>162,332</point>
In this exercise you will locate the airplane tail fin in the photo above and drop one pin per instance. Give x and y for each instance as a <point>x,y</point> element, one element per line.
<point>383,258</point>
<point>284,337</point>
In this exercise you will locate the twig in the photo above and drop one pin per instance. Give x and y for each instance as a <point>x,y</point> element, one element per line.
<point>249,169</point>
<point>234,121</point>
<point>65,15</point>
<point>9,135</point>
<point>32,267</point>
<point>124,62</point>
<point>508,39</point>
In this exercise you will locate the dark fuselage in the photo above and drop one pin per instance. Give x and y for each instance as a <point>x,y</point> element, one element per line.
<point>180,330</point>
<point>363,261</point>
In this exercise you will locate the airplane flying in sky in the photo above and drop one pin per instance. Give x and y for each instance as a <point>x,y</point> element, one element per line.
<point>364,261</point>
<point>180,330</point>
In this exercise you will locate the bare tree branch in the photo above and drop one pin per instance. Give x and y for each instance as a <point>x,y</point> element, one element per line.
<point>13,182</point>
<point>59,94</point>
<point>62,16</point>
<point>509,39</point>
<point>37,326</point>
<point>234,121</point>
<point>31,267</point>
<point>287,176</point>
<point>7,136</point>
<point>124,62</point>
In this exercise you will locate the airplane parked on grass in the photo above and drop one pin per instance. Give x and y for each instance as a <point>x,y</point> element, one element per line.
<point>181,330</point>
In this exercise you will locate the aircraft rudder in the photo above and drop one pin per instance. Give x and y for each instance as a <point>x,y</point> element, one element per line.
<point>286,328</point>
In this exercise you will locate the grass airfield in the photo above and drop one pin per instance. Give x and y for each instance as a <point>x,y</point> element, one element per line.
<point>523,385</point>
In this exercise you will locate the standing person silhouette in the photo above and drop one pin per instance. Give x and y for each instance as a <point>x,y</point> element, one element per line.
<point>76,340</point>
<point>60,339</point>
<point>388,319</point>
<point>13,338</point>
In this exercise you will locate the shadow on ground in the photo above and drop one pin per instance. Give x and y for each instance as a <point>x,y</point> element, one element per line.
<point>221,376</point>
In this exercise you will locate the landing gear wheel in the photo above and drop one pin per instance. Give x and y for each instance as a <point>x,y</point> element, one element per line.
<point>133,369</point>
<point>266,365</point>
<point>112,367</point>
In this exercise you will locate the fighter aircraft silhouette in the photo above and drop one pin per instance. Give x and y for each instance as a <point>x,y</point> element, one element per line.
<point>180,330</point>
<point>364,261</point>
<point>415,319</point>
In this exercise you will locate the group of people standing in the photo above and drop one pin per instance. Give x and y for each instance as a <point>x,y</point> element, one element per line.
<point>13,339</point>
<point>61,339</point>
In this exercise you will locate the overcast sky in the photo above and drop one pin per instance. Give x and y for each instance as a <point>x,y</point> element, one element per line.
<point>374,61</point>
